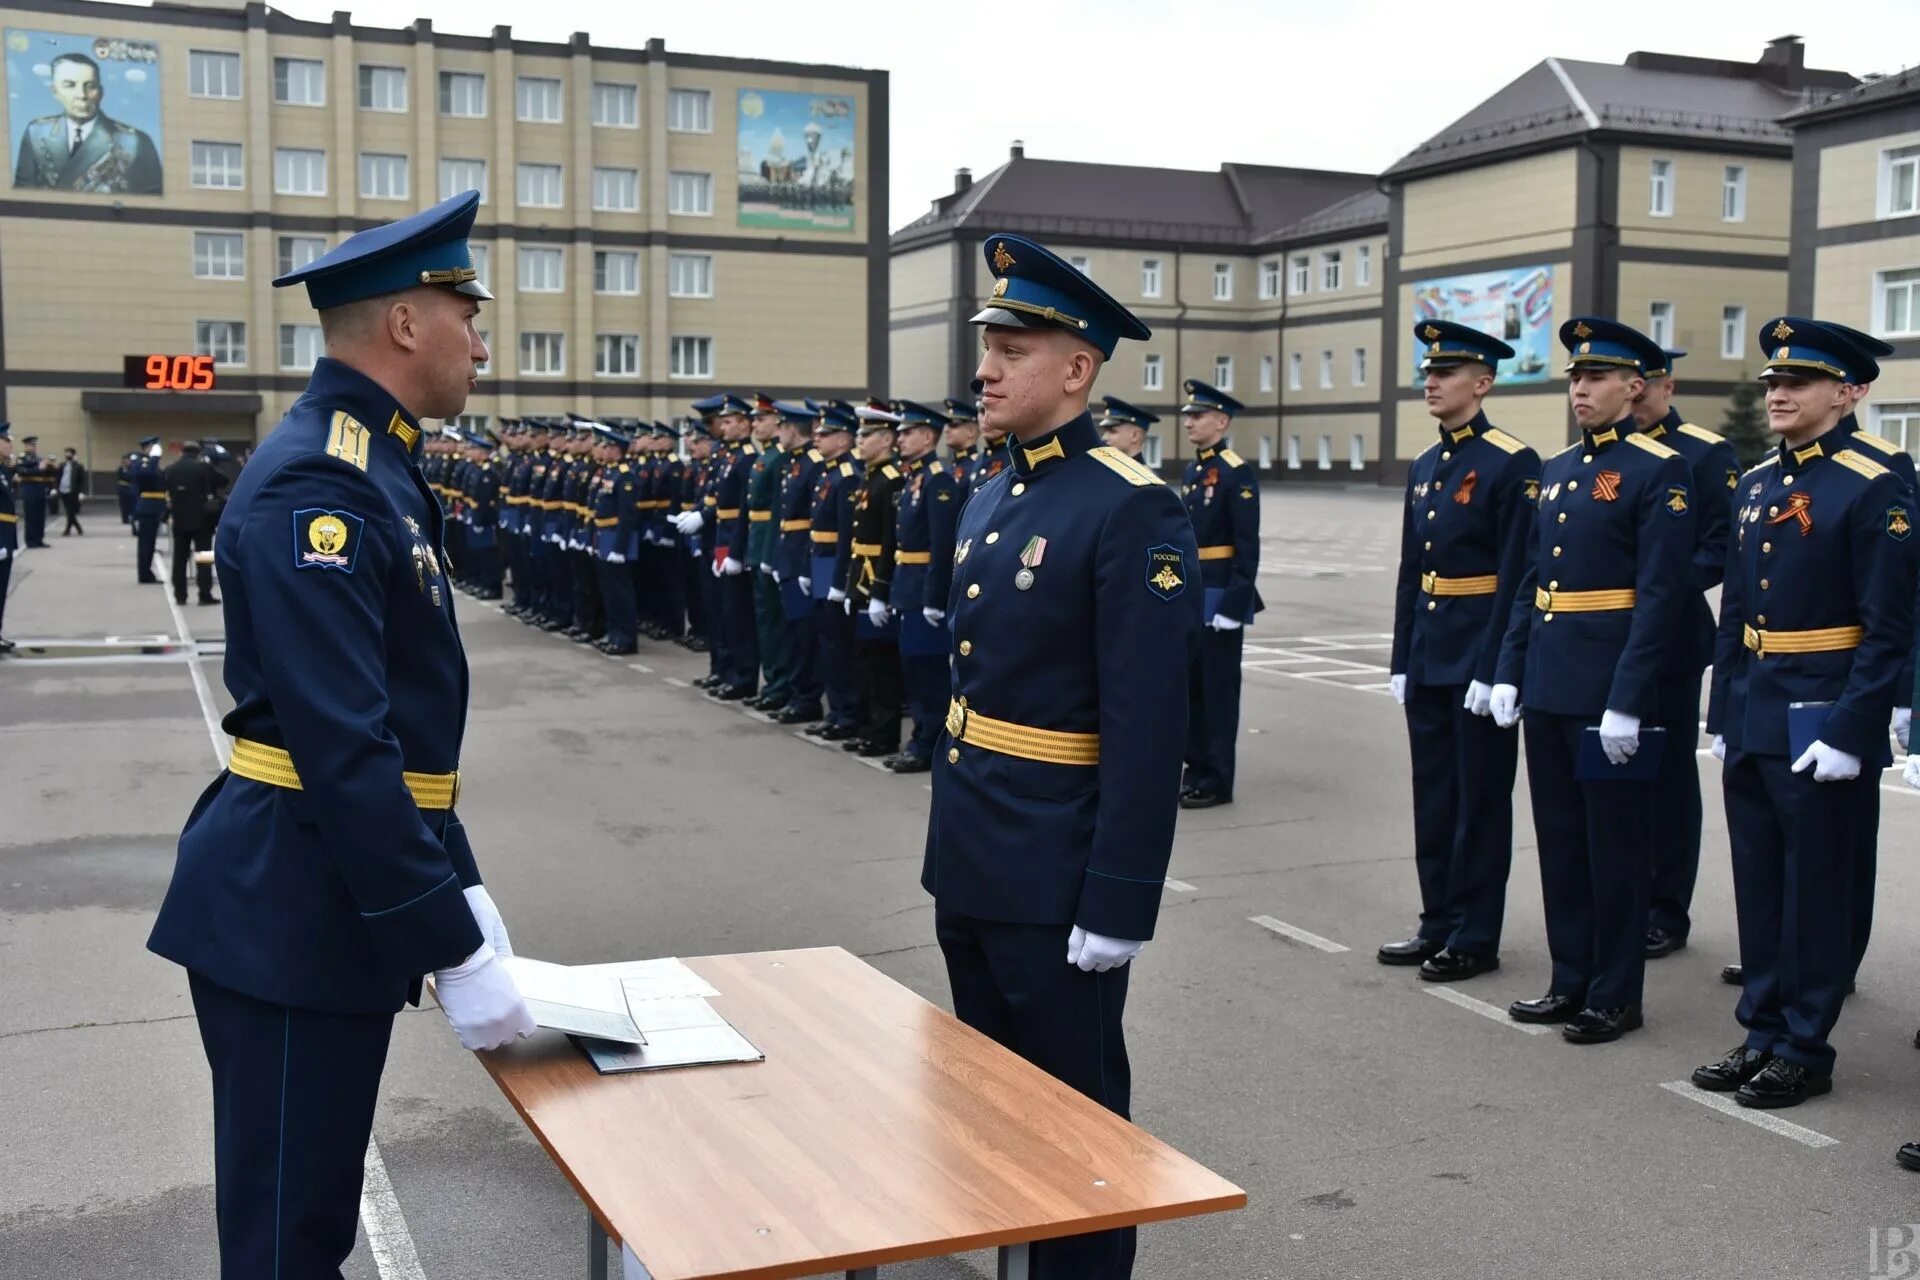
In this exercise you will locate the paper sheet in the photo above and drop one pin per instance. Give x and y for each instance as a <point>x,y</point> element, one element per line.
<point>575,1000</point>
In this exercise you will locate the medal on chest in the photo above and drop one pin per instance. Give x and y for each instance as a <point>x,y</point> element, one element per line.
<point>1030,557</point>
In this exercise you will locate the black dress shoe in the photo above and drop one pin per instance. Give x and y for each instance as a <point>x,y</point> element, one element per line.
<point>1601,1026</point>
<point>852,742</point>
<point>1548,1008</point>
<point>875,750</point>
<point>797,715</point>
<point>696,644</point>
<point>837,733</point>
<point>619,650</point>
<point>1733,975</point>
<point>1908,1156</point>
<point>1661,943</point>
<point>1198,799</point>
<point>146,580</point>
<point>1782,1084</point>
<point>1732,1071</point>
<point>733,693</point>
<point>179,599</point>
<point>208,600</point>
<point>1458,966</point>
<point>1412,951</point>
<point>907,762</point>
<point>6,645</point>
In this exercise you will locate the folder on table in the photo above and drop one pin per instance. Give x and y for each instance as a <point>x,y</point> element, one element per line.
<point>1590,763</point>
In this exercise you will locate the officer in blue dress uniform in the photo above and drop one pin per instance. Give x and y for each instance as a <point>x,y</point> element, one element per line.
<point>1463,550</point>
<point>35,476</point>
<point>929,507</point>
<point>149,507</point>
<point>669,576</point>
<point>1590,638</point>
<point>1223,499</point>
<point>616,541</point>
<point>992,458</point>
<point>1125,426</point>
<point>876,644</point>
<point>962,439</point>
<point>830,536</point>
<point>791,550</point>
<point>1815,638</point>
<point>1676,795</point>
<point>1074,610</point>
<point>517,518</point>
<point>9,526</point>
<point>740,672</point>
<point>324,873</point>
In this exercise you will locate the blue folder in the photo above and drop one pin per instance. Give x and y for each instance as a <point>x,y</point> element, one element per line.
<point>1590,763</point>
<point>1806,720</point>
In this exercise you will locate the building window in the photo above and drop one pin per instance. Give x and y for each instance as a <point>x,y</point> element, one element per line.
<point>468,421</point>
<point>1325,458</point>
<point>295,252</point>
<point>213,75</point>
<point>1152,374</point>
<point>543,353</point>
<point>1326,370</point>
<point>383,88</point>
<point>1898,422</point>
<point>217,165</point>
<point>1733,333</point>
<point>1363,265</point>
<point>382,176</point>
<point>224,340</point>
<point>1359,366</point>
<point>1149,277</point>
<point>1297,269</point>
<point>1899,308</point>
<point>1357,453</point>
<point>1899,182</point>
<point>458,175</point>
<point>300,82</point>
<point>690,194</point>
<point>1733,193</point>
<point>616,106</point>
<point>616,271</point>
<point>219,255</point>
<point>1266,373</point>
<point>1223,282</point>
<point>300,346</point>
<point>690,275</point>
<point>486,341</point>
<point>616,190</point>
<point>1330,270</point>
<point>537,100</point>
<point>1270,278</point>
<point>482,264</point>
<point>1083,264</point>
<point>1293,371</point>
<point>542,269</point>
<point>1660,188</point>
<point>1223,372</point>
<point>299,172</point>
<point>463,94</point>
<point>692,358</point>
<point>617,355</point>
<point>1660,323</point>
<point>539,186</point>
<point>689,111</point>
<point>1293,453</point>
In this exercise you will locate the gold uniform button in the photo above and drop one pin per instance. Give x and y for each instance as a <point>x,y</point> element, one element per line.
<point>953,755</point>
<point>1761,619</point>
<point>1766,546</point>
<point>993,538</point>
<point>1562,517</point>
<point>1432,514</point>
<point>966,647</point>
<point>1773,511</point>
<point>1429,546</point>
<point>973,591</point>
<point>1786,479</point>
<point>1586,457</point>
<point>1764,584</point>
<point>1553,586</point>
<point>1445,456</point>
<point>1019,489</point>
<point>1556,551</point>
<point>1546,617</point>
<point>1432,605</point>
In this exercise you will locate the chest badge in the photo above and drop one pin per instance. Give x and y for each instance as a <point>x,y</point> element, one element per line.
<point>1030,557</point>
<point>1165,564</point>
<point>413,526</point>
<point>1800,510</point>
<point>960,552</point>
<point>1606,486</point>
<point>1464,494</point>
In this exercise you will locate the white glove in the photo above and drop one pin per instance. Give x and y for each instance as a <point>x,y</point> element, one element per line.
<point>1829,764</point>
<point>1479,698</point>
<point>614,557</point>
<point>480,1000</point>
<point>775,575</point>
<point>806,586</point>
<point>835,595</point>
<point>1720,747</point>
<point>154,452</point>
<point>1096,953</point>
<point>731,567</point>
<point>4,553</point>
<point>847,606</point>
<point>1504,703</point>
<point>1221,622</point>
<point>487,916</point>
<point>877,613</point>
<point>1398,683</point>
<point>765,567</point>
<point>1911,774</point>
<point>1902,724</point>
<point>934,617</point>
<point>716,570</point>
<point>1619,736</point>
<point>687,522</point>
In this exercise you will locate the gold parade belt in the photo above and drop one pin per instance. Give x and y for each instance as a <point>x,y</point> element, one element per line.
<point>1484,585</point>
<point>1823,640</point>
<point>153,493</point>
<point>825,535</point>
<point>259,762</point>
<point>1582,601</point>
<point>1049,746</point>
<point>759,517</point>
<point>868,549</point>
<point>913,557</point>
<point>1222,552</point>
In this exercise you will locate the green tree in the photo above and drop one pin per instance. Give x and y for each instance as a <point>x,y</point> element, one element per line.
<point>1745,424</point>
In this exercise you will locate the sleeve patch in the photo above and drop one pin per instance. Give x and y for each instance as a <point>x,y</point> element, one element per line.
<point>1166,570</point>
<point>325,539</point>
<point>1733,478</point>
<point>1530,489</point>
<point>1676,503</point>
<point>1899,524</point>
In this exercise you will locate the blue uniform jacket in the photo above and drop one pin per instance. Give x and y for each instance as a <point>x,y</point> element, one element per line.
<point>616,515</point>
<point>342,650</point>
<point>1223,501</point>
<point>481,510</point>
<point>1463,551</point>
<point>1114,592</point>
<point>929,514</point>
<point>989,464</point>
<point>1615,514</point>
<point>149,487</point>
<point>849,477</point>
<point>1823,540</point>
<point>9,511</point>
<point>730,497</point>
<point>1711,462</point>
<point>1900,462</point>
<point>793,553</point>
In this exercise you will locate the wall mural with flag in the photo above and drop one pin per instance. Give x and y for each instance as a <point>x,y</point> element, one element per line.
<point>84,113</point>
<point>1514,306</point>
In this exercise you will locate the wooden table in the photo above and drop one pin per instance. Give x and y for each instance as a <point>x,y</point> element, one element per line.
<point>878,1130</point>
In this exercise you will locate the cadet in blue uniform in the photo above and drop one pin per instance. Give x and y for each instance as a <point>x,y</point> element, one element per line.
<point>123,486</point>
<point>791,549</point>
<point>1591,636</point>
<point>663,505</point>
<point>1816,629</point>
<point>1074,612</point>
<point>876,644</point>
<point>149,507</point>
<point>324,873</point>
<point>9,526</point>
<point>830,532</point>
<point>962,438</point>
<point>1676,792</point>
<point>616,540</point>
<point>1463,550</point>
<point>1125,427</point>
<point>1223,501</point>
<point>733,466</point>
<point>35,476</point>
<point>992,458</point>
<point>483,516</point>
<point>929,507</point>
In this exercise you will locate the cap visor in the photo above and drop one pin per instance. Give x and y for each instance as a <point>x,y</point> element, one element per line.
<point>474,289</point>
<point>1012,319</point>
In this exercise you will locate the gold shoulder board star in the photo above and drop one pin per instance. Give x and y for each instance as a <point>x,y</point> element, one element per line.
<point>1001,258</point>
<point>1783,331</point>
<point>1580,330</point>
<point>1430,333</point>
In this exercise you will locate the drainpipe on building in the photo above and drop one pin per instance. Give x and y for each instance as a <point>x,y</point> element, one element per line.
<point>1179,331</point>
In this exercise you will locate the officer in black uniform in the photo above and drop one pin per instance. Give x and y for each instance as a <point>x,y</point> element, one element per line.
<point>1125,427</point>
<point>791,548</point>
<point>1463,550</point>
<point>876,644</point>
<point>149,507</point>
<point>123,486</point>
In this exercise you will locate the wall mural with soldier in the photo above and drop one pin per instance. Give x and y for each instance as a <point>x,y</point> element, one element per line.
<point>796,160</point>
<point>84,112</point>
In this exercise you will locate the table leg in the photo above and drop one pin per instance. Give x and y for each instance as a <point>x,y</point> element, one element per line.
<point>1016,1262</point>
<point>596,1250</point>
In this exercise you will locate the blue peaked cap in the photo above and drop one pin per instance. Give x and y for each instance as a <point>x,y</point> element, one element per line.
<point>1597,341</point>
<point>914,414</point>
<point>798,414</point>
<point>1444,344</point>
<point>1121,414</point>
<point>428,248</point>
<point>1201,398</point>
<point>1035,288</point>
<point>1798,346</point>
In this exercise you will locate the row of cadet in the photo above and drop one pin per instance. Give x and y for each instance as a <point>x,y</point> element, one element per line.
<point>807,548</point>
<point>1575,590</point>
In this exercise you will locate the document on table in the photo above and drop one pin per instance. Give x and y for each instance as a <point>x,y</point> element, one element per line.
<point>575,1000</point>
<point>680,1032</point>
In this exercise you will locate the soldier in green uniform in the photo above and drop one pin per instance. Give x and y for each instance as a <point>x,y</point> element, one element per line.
<point>769,620</point>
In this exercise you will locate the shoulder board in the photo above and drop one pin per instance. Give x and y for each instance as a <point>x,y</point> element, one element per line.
<point>1879,444</point>
<point>1502,441</point>
<point>1653,447</point>
<point>1231,458</point>
<point>1761,465</point>
<point>1575,447</point>
<point>1860,462</point>
<point>1126,468</point>
<point>624,468</point>
<point>813,455</point>
<point>846,468</point>
<point>887,469</point>
<point>1701,433</point>
<point>935,468</point>
<point>347,439</point>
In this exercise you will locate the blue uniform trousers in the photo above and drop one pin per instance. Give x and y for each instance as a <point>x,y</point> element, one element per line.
<point>616,590</point>
<point>1676,807</point>
<point>803,647</point>
<point>517,569</point>
<point>670,580</point>
<point>1213,711</point>
<point>929,684</point>
<point>33,514</point>
<point>126,506</point>
<point>540,555</point>
<point>1866,860</point>
<point>743,642</point>
<point>1594,867</point>
<point>835,630</point>
<point>6,575</point>
<point>1012,983</point>
<point>146,533</point>
<point>293,1099</point>
<point>587,613</point>
<point>1463,769</point>
<point>1792,841</point>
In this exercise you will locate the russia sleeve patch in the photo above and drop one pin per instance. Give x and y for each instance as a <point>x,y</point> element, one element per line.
<point>325,539</point>
<point>1166,571</point>
<point>1899,524</point>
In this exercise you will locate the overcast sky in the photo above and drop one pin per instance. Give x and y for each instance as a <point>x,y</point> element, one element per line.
<point>1188,84</point>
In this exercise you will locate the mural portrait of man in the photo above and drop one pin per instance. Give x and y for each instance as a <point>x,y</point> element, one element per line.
<point>81,148</point>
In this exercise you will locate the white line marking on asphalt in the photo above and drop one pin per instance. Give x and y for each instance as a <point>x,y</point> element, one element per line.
<point>1298,934</point>
<point>678,684</point>
<point>804,736</point>
<point>1179,886</point>
<point>202,690</point>
<point>641,667</point>
<point>1725,1105</point>
<point>1485,1010</point>
<point>872,762</point>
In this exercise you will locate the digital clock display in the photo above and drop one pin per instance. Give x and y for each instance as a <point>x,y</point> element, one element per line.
<point>169,373</point>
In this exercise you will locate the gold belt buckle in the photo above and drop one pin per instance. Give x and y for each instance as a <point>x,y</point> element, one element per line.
<point>455,801</point>
<point>1755,642</point>
<point>1427,581</point>
<point>956,722</point>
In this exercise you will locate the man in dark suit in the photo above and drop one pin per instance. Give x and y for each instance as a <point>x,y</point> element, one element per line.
<point>70,485</point>
<point>80,149</point>
<point>192,489</point>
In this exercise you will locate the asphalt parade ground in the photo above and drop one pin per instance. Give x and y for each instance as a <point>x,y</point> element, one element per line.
<point>1381,1125</point>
